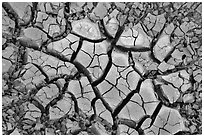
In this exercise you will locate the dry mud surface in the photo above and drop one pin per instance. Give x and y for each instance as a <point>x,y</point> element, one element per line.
<point>102,68</point>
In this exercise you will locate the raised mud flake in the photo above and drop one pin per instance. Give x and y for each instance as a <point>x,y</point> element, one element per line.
<point>111,25</point>
<point>163,66</point>
<point>134,37</point>
<point>162,48</point>
<point>172,93</point>
<point>101,10</point>
<point>35,34</point>
<point>174,79</point>
<point>86,29</point>
<point>120,59</point>
<point>188,98</point>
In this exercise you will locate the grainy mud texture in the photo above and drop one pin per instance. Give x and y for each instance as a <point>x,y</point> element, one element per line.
<point>85,68</point>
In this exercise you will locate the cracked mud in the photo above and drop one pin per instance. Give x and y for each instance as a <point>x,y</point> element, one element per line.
<point>102,68</point>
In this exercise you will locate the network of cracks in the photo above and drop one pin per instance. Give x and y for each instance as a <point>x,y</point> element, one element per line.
<point>102,68</point>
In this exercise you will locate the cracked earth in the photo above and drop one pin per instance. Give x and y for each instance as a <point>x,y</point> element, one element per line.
<point>102,68</point>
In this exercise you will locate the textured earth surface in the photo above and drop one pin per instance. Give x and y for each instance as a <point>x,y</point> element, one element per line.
<point>102,68</point>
